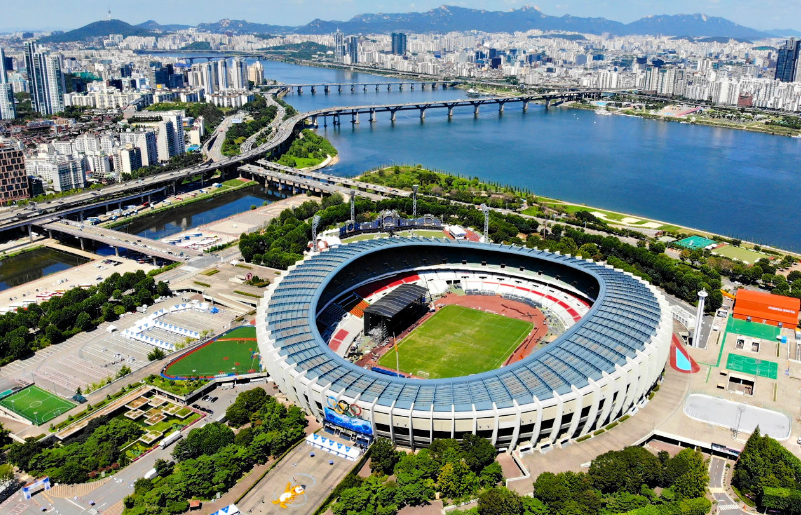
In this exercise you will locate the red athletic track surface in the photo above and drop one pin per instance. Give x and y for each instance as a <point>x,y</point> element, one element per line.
<point>675,347</point>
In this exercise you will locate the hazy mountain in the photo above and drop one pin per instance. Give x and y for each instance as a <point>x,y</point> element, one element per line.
<point>97,29</point>
<point>242,27</point>
<point>170,27</point>
<point>785,33</point>
<point>447,18</point>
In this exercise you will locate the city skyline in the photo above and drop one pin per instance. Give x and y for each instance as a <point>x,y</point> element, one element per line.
<point>39,15</point>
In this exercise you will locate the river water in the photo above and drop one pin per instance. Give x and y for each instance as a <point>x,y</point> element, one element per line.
<point>732,182</point>
<point>35,264</point>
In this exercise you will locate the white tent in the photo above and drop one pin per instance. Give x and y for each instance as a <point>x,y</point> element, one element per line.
<point>334,447</point>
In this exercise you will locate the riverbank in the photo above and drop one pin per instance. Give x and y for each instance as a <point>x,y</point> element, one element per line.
<point>228,186</point>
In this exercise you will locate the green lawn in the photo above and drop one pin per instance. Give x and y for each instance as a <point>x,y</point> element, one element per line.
<point>748,365</point>
<point>423,233</point>
<point>37,405</point>
<point>730,251</point>
<point>458,341</point>
<point>232,352</point>
<point>752,329</point>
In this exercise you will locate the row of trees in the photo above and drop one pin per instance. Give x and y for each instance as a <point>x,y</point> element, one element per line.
<point>457,470</point>
<point>283,242</point>
<point>40,325</point>
<point>439,184</point>
<point>178,162</point>
<point>212,458</point>
<point>307,150</point>
<point>617,482</point>
<point>769,474</point>
<point>97,449</point>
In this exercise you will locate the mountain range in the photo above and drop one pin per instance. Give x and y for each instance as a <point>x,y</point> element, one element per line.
<point>451,18</point>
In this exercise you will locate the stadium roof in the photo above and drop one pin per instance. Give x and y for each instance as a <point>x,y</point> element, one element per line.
<point>624,317</point>
<point>397,300</point>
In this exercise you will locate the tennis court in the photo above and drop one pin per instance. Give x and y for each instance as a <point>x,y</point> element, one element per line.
<point>695,242</point>
<point>752,366</point>
<point>36,404</point>
<point>752,329</point>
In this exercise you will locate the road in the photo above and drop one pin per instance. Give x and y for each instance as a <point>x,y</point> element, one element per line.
<point>718,485</point>
<point>214,152</point>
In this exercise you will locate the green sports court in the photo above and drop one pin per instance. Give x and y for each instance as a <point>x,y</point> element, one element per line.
<point>234,352</point>
<point>36,404</point>
<point>695,242</point>
<point>752,366</point>
<point>752,329</point>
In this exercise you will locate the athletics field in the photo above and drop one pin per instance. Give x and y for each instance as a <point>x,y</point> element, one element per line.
<point>458,341</point>
<point>36,404</point>
<point>234,352</point>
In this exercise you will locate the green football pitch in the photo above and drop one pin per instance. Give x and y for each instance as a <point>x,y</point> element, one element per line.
<point>36,404</point>
<point>234,352</point>
<point>458,341</point>
<point>749,365</point>
<point>753,329</point>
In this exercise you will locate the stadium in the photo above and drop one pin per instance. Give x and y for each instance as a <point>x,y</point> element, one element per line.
<point>541,348</point>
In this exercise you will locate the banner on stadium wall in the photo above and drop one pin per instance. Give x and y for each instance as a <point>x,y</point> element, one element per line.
<point>29,489</point>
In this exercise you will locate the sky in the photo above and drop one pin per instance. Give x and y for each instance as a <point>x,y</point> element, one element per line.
<point>63,14</point>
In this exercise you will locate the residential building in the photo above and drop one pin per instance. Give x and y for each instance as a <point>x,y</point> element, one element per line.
<point>69,174</point>
<point>352,46</point>
<point>787,61</point>
<point>256,73</point>
<point>13,179</point>
<point>165,143</point>
<point>238,74</point>
<point>339,46</point>
<point>130,159</point>
<point>46,80</point>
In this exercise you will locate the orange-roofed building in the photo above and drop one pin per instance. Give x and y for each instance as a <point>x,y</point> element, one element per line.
<point>766,308</point>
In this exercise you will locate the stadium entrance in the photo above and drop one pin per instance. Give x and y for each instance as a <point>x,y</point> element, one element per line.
<point>395,312</point>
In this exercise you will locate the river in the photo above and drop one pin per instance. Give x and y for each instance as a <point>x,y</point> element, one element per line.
<point>736,183</point>
<point>35,264</point>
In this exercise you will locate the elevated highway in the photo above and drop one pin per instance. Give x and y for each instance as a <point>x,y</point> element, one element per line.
<point>333,179</point>
<point>119,240</point>
<point>280,140</point>
<point>302,184</point>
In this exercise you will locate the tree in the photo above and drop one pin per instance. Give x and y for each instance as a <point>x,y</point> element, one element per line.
<point>456,480</point>
<point>491,475</point>
<point>478,452</point>
<point>156,354</point>
<point>205,440</point>
<point>383,456</point>
<point>83,322</point>
<point>625,470</point>
<point>499,501</point>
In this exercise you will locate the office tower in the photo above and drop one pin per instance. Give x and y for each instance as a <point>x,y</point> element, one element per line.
<point>788,60</point>
<point>3,70</point>
<point>352,46</point>
<point>13,179</point>
<point>131,159</point>
<point>398,43</point>
<point>222,74</point>
<point>339,46</point>
<point>256,73</point>
<point>46,80</point>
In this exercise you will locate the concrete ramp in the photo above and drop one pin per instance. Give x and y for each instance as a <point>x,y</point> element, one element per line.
<point>737,416</point>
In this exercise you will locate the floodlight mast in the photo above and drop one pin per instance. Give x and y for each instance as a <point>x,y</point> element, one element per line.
<point>315,223</point>
<point>485,208</point>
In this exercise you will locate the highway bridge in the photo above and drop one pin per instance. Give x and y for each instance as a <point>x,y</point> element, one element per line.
<point>118,240</point>
<point>333,179</point>
<point>301,184</point>
<point>281,138</point>
<point>364,86</point>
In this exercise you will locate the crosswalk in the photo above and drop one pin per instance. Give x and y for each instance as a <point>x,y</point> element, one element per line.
<point>728,507</point>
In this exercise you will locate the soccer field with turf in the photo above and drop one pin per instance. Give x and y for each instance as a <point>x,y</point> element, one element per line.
<point>458,341</point>
<point>36,404</point>
<point>230,353</point>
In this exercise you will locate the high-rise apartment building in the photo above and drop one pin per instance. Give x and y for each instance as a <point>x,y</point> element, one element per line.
<point>222,74</point>
<point>339,46</point>
<point>256,73</point>
<point>398,43</point>
<point>13,178</point>
<point>787,61</point>
<point>238,74</point>
<point>165,143</point>
<point>8,110</point>
<point>352,47</point>
<point>3,70</point>
<point>46,80</point>
<point>130,159</point>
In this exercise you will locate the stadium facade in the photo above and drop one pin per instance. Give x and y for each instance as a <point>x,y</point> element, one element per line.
<point>604,364</point>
